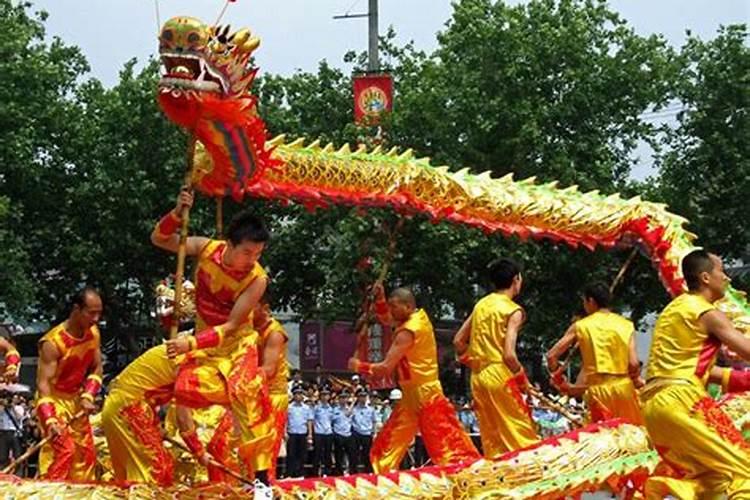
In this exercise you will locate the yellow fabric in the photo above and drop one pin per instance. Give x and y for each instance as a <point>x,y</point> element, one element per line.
<point>84,457</point>
<point>422,408</point>
<point>76,357</point>
<point>489,322</point>
<point>612,396</point>
<point>280,405</point>
<point>505,422</point>
<point>419,365</point>
<point>279,382</point>
<point>690,441</point>
<point>679,338</point>
<point>604,339</point>
<point>140,387</point>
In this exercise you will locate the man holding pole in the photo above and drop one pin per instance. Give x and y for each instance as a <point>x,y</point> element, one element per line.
<point>423,407</point>
<point>220,362</point>
<point>487,343</point>
<point>68,379</point>
<point>611,369</point>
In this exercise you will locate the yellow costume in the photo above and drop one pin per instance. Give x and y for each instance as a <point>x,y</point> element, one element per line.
<point>604,342</point>
<point>71,455</point>
<point>227,374</point>
<point>220,446</point>
<point>505,422</point>
<point>423,407</point>
<point>131,423</point>
<point>692,434</point>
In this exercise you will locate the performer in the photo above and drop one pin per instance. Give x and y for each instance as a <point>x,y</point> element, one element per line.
<point>487,343</point>
<point>423,406</point>
<point>68,379</point>
<point>275,367</point>
<point>611,369</point>
<point>690,431</point>
<point>12,361</point>
<point>131,423</point>
<point>221,362</point>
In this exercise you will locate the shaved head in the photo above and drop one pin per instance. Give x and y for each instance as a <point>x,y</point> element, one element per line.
<point>404,295</point>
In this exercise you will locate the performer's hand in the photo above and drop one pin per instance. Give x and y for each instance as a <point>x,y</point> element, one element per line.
<point>10,375</point>
<point>204,459</point>
<point>638,382</point>
<point>379,370</point>
<point>352,364</point>
<point>54,429</point>
<point>88,406</point>
<point>378,291</point>
<point>178,346</point>
<point>184,200</point>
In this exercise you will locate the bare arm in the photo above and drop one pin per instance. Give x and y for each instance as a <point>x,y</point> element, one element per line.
<point>562,345</point>
<point>6,346</point>
<point>716,323</point>
<point>382,311</point>
<point>48,359</point>
<point>272,349</point>
<point>461,340</point>
<point>511,336</point>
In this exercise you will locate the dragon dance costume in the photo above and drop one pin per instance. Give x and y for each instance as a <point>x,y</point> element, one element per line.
<point>604,339</point>
<point>70,455</point>
<point>423,407</point>
<point>223,368</point>
<point>220,446</point>
<point>131,423</point>
<point>692,434</point>
<point>505,422</point>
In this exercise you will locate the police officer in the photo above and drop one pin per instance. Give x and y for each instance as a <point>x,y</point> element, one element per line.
<point>343,444</point>
<point>300,430</point>
<point>323,428</point>
<point>364,419</point>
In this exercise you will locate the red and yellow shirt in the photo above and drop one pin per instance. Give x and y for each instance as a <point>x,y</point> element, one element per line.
<point>76,357</point>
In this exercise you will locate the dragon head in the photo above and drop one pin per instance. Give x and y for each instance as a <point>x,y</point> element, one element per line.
<point>203,59</point>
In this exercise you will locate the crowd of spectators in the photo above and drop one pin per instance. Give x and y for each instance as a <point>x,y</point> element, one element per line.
<point>18,432</point>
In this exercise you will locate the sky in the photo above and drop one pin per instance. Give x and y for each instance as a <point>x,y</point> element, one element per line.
<point>297,34</point>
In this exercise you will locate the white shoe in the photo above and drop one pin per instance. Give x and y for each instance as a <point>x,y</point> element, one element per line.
<point>262,491</point>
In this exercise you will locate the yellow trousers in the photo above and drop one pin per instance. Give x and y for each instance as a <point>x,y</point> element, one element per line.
<point>130,422</point>
<point>612,396</point>
<point>71,455</point>
<point>505,422</point>
<point>423,408</point>
<point>699,441</point>
<point>240,385</point>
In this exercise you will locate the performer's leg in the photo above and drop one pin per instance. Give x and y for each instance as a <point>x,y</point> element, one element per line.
<point>710,451</point>
<point>280,405</point>
<point>394,438</point>
<point>57,456</point>
<point>614,398</point>
<point>221,447</point>
<point>505,422</point>
<point>84,461</point>
<point>443,435</point>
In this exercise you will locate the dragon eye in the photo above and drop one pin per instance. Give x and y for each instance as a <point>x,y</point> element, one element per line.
<point>193,38</point>
<point>167,35</point>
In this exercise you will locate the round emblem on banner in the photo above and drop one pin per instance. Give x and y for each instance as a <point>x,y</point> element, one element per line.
<point>373,101</point>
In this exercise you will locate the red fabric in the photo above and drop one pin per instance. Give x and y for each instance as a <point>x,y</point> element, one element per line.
<point>144,423</point>
<point>220,448</point>
<point>187,388</point>
<point>209,337</point>
<point>92,386</point>
<point>12,359</point>
<point>739,381</point>
<point>63,451</point>
<point>363,367</point>
<point>373,96</point>
<point>443,434</point>
<point>169,224</point>
<point>598,411</point>
<point>247,383</point>
<point>193,443</point>
<point>72,372</point>
<point>707,356</point>
<point>515,385</point>
<point>720,422</point>
<point>45,411</point>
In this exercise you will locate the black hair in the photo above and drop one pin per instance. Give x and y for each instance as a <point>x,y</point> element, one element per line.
<point>599,292</point>
<point>79,298</point>
<point>693,264</point>
<point>502,271</point>
<point>246,226</point>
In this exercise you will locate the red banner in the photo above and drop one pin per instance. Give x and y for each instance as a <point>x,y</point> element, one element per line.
<point>373,95</point>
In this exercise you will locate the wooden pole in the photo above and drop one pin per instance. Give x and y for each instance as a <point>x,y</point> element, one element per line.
<point>212,461</point>
<point>29,452</point>
<point>574,419</point>
<point>622,271</point>
<point>181,251</point>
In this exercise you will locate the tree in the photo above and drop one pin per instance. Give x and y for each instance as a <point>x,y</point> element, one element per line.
<point>705,174</point>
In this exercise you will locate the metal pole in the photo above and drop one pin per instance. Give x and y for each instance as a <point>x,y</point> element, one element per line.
<point>373,63</point>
